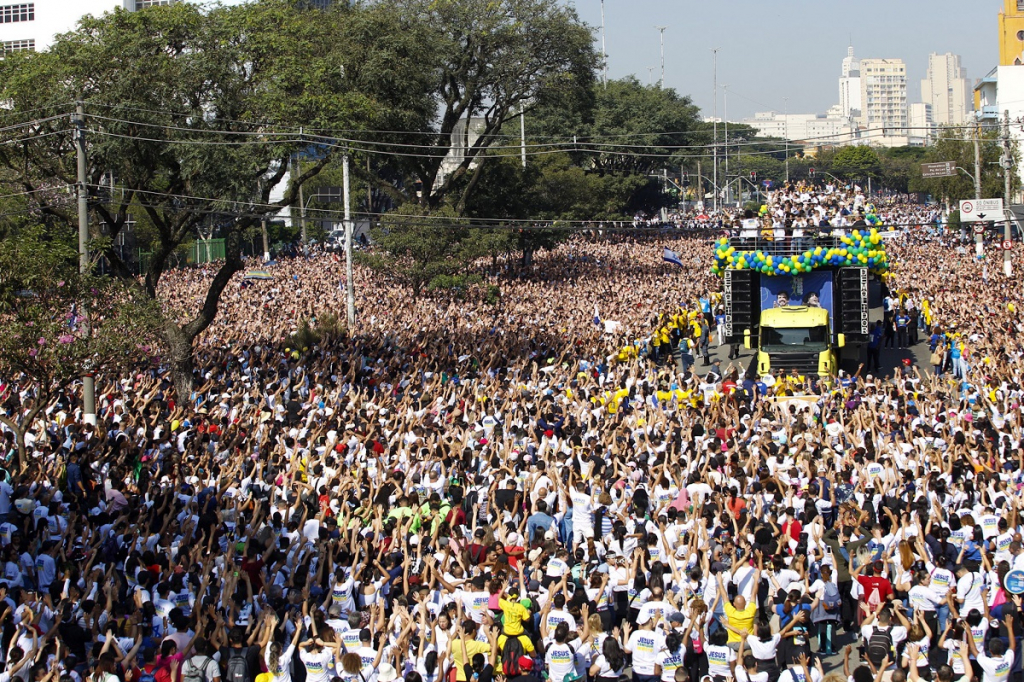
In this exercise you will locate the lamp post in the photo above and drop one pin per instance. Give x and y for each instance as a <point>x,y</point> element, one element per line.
<point>661,30</point>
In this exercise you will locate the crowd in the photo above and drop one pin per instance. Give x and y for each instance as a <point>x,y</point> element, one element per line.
<point>467,490</point>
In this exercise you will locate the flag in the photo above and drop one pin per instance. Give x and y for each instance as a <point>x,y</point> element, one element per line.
<point>672,257</point>
<point>597,317</point>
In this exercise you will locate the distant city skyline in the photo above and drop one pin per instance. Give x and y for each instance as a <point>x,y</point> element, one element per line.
<point>793,50</point>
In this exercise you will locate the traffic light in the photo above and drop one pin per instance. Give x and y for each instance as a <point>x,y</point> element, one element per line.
<point>811,171</point>
<point>753,176</point>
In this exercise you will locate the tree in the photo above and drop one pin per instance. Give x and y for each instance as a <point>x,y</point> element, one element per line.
<point>178,98</point>
<point>626,127</point>
<point>418,247</point>
<point>57,325</point>
<point>951,145</point>
<point>857,162</point>
<point>488,60</point>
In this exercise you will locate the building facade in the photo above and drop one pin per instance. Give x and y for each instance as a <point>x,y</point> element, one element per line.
<point>946,90</point>
<point>883,92</point>
<point>819,129</point>
<point>1011,33</point>
<point>33,24</point>
<point>849,86</point>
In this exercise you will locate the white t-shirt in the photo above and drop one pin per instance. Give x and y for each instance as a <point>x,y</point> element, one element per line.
<point>670,662</point>
<point>645,646</point>
<point>284,665</point>
<point>719,658</point>
<point>560,659</point>
<point>995,669</point>
<point>968,588</point>
<point>796,674</point>
<point>319,665</point>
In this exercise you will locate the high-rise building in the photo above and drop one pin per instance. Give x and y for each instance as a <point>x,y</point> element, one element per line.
<point>849,86</point>
<point>946,89</point>
<point>33,24</point>
<point>883,93</point>
<point>1011,33</point>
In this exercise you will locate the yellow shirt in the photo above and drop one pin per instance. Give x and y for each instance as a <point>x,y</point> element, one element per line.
<point>515,613</point>
<point>472,649</point>
<point>740,620</point>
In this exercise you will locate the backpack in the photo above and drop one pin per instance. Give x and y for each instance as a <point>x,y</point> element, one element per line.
<point>237,669</point>
<point>831,601</point>
<point>146,676</point>
<point>190,672</point>
<point>880,645</point>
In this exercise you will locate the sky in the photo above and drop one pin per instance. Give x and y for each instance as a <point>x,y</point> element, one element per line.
<point>787,48</point>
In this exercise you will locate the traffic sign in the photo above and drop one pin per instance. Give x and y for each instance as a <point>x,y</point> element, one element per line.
<point>979,229</point>
<point>971,210</point>
<point>1008,245</point>
<point>1014,581</point>
<point>942,169</point>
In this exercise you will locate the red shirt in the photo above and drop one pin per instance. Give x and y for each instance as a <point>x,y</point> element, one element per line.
<point>793,528</point>
<point>870,584</point>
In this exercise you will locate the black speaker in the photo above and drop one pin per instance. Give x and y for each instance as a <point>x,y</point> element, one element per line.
<point>853,303</point>
<point>741,301</point>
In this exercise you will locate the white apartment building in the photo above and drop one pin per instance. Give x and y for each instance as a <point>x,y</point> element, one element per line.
<point>884,112</point>
<point>820,129</point>
<point>946,89</point>
<point>33,24</point>
<point>849,86</point>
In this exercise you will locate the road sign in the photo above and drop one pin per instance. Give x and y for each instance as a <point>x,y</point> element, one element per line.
<point>1008,246</point>
<point>1014,581</point>
<point>971,210</point>
<point>942,169</point>
<point>979,229</point>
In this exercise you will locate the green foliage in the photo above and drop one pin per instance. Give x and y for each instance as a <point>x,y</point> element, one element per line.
<point>177,99</point>
<point>625,122</point>
<point>483,60</point>
<point>858,162</point>
<point>449,282</point>
<point>951,145</point>
<point>419,246</point>
<point>323,329</point>
<point>56,324</point>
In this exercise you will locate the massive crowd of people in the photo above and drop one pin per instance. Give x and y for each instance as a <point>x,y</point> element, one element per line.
<point>465,489</point>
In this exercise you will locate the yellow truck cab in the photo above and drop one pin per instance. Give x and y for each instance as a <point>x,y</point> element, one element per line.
<point>796,337</point>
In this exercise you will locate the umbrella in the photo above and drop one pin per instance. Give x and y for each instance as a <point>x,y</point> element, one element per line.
<point>258,274</point>
<point>702,217</point>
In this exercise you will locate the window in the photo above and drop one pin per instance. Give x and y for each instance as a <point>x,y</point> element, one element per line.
<point>1020,5</point>
<point>17,46</point>
<point>13,13</point>
<point>143,4</point>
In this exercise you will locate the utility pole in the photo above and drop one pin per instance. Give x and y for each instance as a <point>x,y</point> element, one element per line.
<point>604,49</point>
<point>266,240</point>
<point>522,133</point>
<point>979,245</point>
<point>714,119</point>
<point>302,203</point>
<point>88,382</point>
<point>1007,169</point>
<point>728,185</point>
<point>350,292</point>
<point>661,29</point>
<point>785,119</point>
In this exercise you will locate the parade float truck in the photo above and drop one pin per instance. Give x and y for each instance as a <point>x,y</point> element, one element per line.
<point>802,303</point>
<point>795,337</point>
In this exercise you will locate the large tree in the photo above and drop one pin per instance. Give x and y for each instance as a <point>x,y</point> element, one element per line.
<point>57,324</point>
<point>488,60</point>
<point>178,101</point>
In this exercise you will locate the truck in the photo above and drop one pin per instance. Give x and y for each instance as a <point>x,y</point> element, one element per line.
<point>795,337</point>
